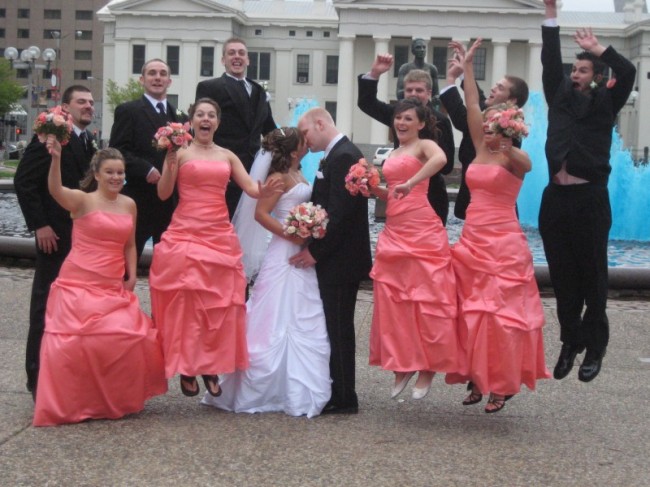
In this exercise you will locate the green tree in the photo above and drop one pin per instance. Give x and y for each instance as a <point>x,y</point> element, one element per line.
<point>10,90</point>
<point>117,94</point>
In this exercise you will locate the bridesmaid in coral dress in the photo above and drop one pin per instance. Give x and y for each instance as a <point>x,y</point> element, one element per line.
<point>196,277</point>
<point>414,317</point>
<point>100,357</point>
<point>501,316</point>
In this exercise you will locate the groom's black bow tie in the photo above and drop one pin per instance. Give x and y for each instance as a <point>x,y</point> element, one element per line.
<point>323,164</point>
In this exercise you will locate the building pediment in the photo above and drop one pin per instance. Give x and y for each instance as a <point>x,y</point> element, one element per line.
<point>173,7</point>
<point>444,5</point>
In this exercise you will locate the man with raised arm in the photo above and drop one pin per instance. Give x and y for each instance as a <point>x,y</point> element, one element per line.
<point>509,89</point>
<point>417,84</point>
<point>575,214</point>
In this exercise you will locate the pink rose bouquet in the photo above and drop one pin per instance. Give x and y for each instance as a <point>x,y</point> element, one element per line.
<point>361,177</point>
<point>306,220</point>
<point>55,122</point>
<point>508,122</point>
<point>172,136</point>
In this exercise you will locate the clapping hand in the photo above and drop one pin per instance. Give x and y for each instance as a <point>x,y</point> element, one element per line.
<point>586,39</point>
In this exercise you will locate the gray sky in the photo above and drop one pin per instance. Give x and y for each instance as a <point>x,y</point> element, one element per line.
<point>588,5</point>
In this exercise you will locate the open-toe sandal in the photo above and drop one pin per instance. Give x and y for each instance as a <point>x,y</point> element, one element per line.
<point>497,404</point>
<point>212,385</point>
<point>189,385</point>
<point>473,398</point>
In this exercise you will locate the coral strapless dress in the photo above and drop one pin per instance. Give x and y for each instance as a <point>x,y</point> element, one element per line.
<point>100,355</point>
<point>197,279</point>
<point>414,315</point>
<point>500,312</point>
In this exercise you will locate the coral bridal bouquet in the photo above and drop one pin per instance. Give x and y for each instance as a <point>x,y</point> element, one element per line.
<point>508,122</point>
<point>53,122</point>
<point>306,220</point>
<point>172,136</point>
<point>361,178</point>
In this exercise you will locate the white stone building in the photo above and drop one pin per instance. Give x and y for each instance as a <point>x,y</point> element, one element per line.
<point>315,49</point>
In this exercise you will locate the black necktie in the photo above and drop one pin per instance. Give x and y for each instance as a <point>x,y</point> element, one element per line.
<point>83,137</point>
<point>161,108</point>
<point>243,85</point>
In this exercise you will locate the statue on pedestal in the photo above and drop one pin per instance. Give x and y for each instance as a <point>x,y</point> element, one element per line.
<point>419,50</point>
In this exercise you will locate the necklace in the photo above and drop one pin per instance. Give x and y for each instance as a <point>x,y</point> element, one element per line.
<point>205,146</point>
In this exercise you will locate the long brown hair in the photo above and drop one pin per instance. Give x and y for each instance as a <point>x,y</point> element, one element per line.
<point>88,183</point>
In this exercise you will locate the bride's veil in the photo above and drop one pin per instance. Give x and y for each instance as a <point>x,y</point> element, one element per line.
<point>253,237</point>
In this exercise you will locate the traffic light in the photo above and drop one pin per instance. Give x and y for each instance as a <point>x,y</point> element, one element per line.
<point>19,131</point>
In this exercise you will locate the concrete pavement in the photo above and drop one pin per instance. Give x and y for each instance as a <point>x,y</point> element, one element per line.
<point>566,433</point>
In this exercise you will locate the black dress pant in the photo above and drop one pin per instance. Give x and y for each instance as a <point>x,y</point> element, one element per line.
<point>438,197</point>
<point>46,270</point>
<point>339,302</point>
<point>574,223</point>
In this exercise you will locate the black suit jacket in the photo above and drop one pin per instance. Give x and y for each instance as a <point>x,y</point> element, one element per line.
<point>30,182</point>
<point>343,255</point>
<point>135,123</point>
<point>243,120</point>
<point>580,126</point>
<point>383,113</point>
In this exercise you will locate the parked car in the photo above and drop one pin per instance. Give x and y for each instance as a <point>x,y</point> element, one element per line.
<point>381,155</point>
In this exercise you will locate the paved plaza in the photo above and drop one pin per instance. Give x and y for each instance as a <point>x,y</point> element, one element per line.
<point>565,434</point>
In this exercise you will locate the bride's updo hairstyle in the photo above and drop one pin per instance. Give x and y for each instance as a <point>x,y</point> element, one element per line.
<point>281,142</point>
<point>423,113</point>
<point>88,183</point>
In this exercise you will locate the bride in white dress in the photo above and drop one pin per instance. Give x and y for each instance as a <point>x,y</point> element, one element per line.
<point>287,339</point>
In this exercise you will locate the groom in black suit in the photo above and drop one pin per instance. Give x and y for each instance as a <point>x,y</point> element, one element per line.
<point>135,124</point>
<point>342,257</point>
<point>245,110</point>
<point>50,222</point>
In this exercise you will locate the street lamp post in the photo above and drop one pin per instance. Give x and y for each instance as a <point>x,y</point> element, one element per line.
<point>28,58</point>
<point>57,78</point>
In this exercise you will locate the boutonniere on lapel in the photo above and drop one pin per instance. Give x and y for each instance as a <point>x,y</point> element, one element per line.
<point>93,144</point>
<point>265,87</point>
<point>181,113</point>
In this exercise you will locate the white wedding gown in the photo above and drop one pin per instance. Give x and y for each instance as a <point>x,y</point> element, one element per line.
<point>287,339</point>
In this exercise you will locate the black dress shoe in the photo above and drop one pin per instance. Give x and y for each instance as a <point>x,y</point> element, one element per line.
<point>591,365</point>
<point>566,359</point>
<point>334,409</point>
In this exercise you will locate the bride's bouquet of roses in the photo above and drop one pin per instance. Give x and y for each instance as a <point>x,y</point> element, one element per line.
<point>172,136</point>
<point>361,178</point>
<point>508,122</point>
<point>55,122</point>
<point>306,220</point>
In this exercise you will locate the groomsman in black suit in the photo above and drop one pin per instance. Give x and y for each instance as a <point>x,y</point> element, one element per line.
<point>245,110</point>
<point>575,215</point>
<point>50,222</point>
<point>509,89</point>
<point>342,257</point>
<point>417,84</point>
<point>135,123</point>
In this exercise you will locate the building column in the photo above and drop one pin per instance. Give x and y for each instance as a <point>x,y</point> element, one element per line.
<point>378,131</point>
<point>282,86</point>
<point>499,59</point>
<point>185,84</point>
<point>534,66</point>
<point>345,102</point>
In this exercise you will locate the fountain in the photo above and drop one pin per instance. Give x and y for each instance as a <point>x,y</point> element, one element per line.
<point>310,162</point>
<point>628,182</point>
